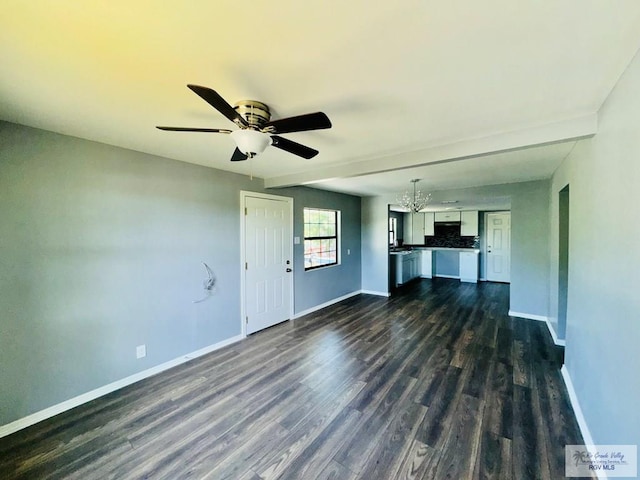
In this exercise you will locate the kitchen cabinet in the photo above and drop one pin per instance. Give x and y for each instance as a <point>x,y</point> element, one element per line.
<point>407,267</point>
<point>447,216</point>
<point>428,224</point>
<point>407,233</point>
<point>414,228</point>
<point>434,262</point>
<point>418,228</point>
<point>469,267</point>
<point>426,264</point>
<point>410,266</point>
<point>469,223</point>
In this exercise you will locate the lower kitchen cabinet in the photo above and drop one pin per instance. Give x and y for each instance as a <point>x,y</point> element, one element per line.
<point>406,266</point>
<point>469,267</point>
<point>410,266</point>
<point>426,267</point>
<point>429,263</point>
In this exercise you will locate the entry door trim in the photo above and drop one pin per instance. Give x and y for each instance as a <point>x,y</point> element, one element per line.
<point>243,254</point>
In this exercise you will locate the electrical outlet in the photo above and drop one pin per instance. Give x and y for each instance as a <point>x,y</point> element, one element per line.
<point>348,251</point>
<point>141,351</point>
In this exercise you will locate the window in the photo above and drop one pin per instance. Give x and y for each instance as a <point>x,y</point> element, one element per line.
<point>320,238</point>
<point>393,228</point>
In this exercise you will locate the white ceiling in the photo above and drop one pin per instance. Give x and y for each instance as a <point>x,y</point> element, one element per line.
<point>453,92</point>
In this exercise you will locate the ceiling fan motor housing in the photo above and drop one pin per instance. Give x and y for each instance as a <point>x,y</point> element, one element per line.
<point>255,113</point>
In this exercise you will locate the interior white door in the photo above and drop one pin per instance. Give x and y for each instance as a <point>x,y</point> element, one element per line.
<point>268,262</point>
<point>498,247</point>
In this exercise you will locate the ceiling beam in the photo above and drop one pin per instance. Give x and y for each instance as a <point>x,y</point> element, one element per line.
<point>566,130</point>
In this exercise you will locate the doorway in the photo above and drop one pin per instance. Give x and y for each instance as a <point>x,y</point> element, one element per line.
<point>267,260</point>
<point>563,259</point>
<point>498,259</point>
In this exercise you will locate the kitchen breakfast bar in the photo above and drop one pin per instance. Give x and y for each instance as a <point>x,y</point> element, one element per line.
<point>407,264</point>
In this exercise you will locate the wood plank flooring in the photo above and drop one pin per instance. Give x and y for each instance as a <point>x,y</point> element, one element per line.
<point>436,382</point>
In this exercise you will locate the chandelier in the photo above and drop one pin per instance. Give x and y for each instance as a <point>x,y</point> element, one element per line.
<point>414,203</point>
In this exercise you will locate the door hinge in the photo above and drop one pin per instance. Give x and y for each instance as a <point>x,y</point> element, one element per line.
<point>246,266</point>
<point>246,320</point>
<point>245,211</point>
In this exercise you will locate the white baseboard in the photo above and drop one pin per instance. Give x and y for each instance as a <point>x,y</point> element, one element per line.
<point>582,422</point>
<point>573,398</point>
<point>339,299</point>
<point>326,304</point>
<point>426,276</point>
<point>540,318</point>
<point>54,410</point>
<point>373,292</point>
<point>457,277</point>
<point>558,341</point>
<point>529,316</point>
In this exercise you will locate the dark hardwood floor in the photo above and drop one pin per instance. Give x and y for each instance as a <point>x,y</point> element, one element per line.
<point>436,382</point>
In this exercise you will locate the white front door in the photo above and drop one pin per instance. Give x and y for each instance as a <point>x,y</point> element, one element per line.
<point>498,230</point>
<point>268,261</point>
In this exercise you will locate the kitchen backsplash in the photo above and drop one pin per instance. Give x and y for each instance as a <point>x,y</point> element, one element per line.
<point>449,236</point>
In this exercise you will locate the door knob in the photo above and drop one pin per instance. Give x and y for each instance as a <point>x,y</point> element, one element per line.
<point>289,270</point>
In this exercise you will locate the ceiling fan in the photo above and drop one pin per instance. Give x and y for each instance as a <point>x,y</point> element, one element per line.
<point>257,130</point>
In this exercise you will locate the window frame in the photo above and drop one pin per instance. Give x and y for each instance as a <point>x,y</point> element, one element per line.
<point>393,231</point>
<point>336,237</point>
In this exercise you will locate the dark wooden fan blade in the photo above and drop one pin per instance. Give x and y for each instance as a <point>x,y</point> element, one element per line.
<point>301,123</point>
<point>238,156</point>
<point>293,147</point>
<point>216,101</point>
<point>187,129</point>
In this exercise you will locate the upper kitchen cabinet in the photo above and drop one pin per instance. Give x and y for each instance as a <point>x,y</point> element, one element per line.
<point>429,218</point>
<point>417,223</point>
<point>414,228</point>
<point>469,223</point>
<point>447,216</point>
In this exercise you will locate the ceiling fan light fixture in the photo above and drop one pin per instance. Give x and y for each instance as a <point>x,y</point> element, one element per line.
<point>251,142</point>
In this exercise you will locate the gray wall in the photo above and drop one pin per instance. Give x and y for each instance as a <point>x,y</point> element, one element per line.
<point>529,241</point>
<point>315,287</point>
<point>446,263</point>
<point>375,245</point>
<point>529,292</point>
<point>603,317</point>
<point>100,251</point>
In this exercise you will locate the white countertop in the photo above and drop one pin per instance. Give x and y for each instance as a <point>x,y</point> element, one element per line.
<point>473,250</point>
<point>444,249</point>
